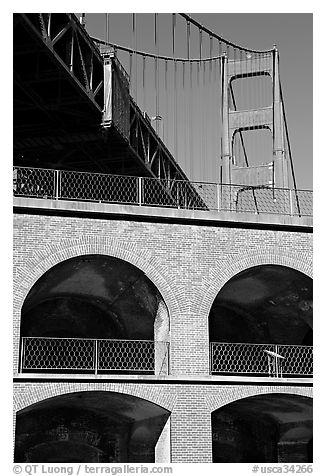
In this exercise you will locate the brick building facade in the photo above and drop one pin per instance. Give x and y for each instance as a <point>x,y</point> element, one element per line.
<point>189,257</point>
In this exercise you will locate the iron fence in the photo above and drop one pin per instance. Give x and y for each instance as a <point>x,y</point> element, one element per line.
<point>98,187</point>
<point>32,182</point>
<point>264,359</point>
<point>39,354</point>
<point>123,189</point>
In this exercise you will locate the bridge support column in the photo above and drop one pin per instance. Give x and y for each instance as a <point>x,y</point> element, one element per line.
<point>226,153</point>
<point>107,111</point>
<point>281,179</point>
<point>226,163</point>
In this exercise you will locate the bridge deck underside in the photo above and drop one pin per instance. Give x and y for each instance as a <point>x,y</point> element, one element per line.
<point>57,119</point>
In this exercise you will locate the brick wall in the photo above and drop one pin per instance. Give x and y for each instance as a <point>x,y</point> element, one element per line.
<point>189,265</point>
<point>190,406</point>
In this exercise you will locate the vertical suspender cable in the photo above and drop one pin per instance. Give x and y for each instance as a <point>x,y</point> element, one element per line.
<point>238,87</point>
<point>173,34</point>
<point>254,92</point>
<point>247,101</point>
<point>144,82</point>
<point>156,74</point>
<point>198,75</point>
<point>216,67</point>
<point>235,145</point>
<point>239,83</point>
<point>134,33</point>
<point>258,103</point>
<point>243,103</point>
<point>166,128</point>
<point>205,120</point>
<point>175,110</point>
<point>273,128</point>
<point>210,52</point>
<point>199,109</point>
<point>262,100</point>
<point>219,167</point>
<point>107,20</point>
<point>188,39</point>
<point>191,109</point>
<point>201,104</point>
<point>130,72</point>
<point>183,74</point>
<point>262,88</point>
<point>175,88</point>
<point>187,120</point>
<point>211,106</point>
<point>184,119</point>
<point>226,65</point>
<point>190,104</point>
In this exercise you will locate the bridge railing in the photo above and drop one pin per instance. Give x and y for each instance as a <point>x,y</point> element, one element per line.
<point>67,355</point>
<point>261,359</point>
<point>123,189</point>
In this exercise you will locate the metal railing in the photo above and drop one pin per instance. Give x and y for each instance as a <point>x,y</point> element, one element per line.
<point>39,354</point>
<point>123,189</point>
<point>264,359</point>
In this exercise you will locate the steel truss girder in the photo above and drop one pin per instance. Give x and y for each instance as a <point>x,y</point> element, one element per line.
<point>72,48</point>
<point>151,151</point>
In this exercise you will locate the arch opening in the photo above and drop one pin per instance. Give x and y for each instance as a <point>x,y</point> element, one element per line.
<point>95,313</point>
<point>92,426</point>
<point>261,323</point>
<point>272,428</point>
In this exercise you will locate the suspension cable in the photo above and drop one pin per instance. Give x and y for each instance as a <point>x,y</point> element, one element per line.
<point>209,32</point>
<point>151,55</point>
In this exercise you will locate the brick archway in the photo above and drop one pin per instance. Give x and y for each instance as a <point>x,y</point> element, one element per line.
<point>41,262</point>
<point>40,392</point>
<point>218,400</point>
<point>225,271</point>
<point>265,427</point>
<point>111,411</point>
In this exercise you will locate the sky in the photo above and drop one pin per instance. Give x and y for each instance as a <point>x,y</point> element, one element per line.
<point>293,35</point>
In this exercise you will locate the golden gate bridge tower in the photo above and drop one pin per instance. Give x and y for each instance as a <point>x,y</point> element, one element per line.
<point>162,277</point>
